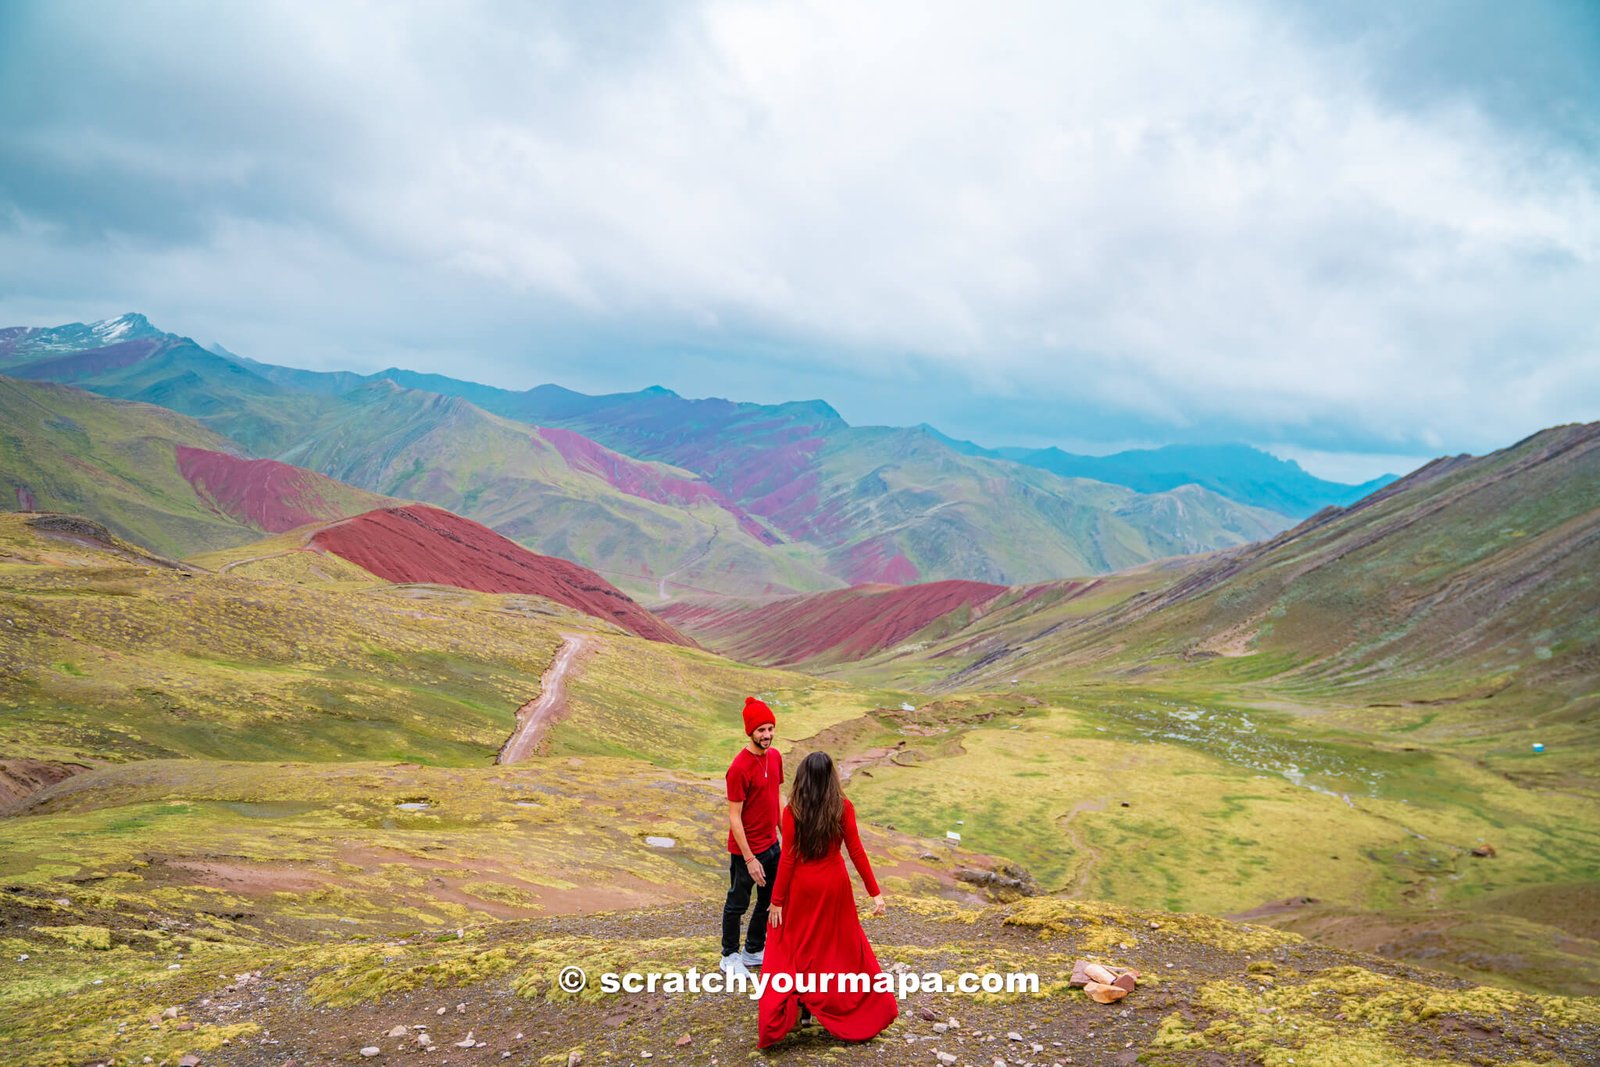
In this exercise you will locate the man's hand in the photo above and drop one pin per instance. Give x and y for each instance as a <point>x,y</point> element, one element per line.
<point>775,915</point>
<point>758,873</point>
<point>877,904</point>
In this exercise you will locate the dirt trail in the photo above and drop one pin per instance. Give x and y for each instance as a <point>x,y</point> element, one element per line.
<point>534,717</point>
<point>705,550</point>
<point>305,543</point>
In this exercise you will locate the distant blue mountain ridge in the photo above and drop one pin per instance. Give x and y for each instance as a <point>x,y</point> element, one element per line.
<point>1241,473</point>
<point>190,379</point>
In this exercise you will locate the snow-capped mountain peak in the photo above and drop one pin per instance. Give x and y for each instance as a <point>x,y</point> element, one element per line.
<point>110,331</point>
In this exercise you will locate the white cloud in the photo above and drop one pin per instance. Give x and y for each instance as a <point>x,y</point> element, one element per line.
<point>1196,216</point>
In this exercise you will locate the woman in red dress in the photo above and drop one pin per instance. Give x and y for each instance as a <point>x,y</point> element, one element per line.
<point>816,930</point>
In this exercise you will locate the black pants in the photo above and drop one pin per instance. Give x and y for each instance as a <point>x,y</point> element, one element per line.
<point>739,899</point>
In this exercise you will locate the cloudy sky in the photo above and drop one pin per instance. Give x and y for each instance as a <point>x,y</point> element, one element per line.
<point>1356,238</point>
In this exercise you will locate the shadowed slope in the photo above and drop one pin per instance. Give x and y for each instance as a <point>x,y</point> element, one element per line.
<point>423,544</point>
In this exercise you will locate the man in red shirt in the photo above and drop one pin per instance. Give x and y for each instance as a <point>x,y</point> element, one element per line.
<point>753,781</point>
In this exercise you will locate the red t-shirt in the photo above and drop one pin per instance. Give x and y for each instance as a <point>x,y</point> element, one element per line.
<point>755,779</point>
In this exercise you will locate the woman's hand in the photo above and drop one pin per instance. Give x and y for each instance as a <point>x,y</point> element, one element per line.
<point>877,904</point>
<point>775,915</point>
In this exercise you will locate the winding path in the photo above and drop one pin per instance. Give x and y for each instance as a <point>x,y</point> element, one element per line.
<point>705,550</point>
<point>534,717</point>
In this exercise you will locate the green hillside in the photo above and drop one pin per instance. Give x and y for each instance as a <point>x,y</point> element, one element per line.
<point>845,505</point>
<point>332,837</point>
<point>1470,582</point>
<point>426,446</point>
<point>885,503</point>
<point>450,453</point>
<point>957,516</point>
<point>71,451</point>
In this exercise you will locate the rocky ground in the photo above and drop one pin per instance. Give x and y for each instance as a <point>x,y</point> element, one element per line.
<point>1210,992</point>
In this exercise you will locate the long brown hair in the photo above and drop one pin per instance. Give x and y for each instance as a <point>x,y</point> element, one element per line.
<point>817,803</point>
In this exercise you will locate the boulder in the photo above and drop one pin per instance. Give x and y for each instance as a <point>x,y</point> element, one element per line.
<point>1101,993</point>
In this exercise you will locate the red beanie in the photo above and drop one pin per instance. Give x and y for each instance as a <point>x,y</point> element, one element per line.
<point>755,714</point>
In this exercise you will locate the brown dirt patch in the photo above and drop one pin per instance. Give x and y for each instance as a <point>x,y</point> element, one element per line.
<point>253,879</point>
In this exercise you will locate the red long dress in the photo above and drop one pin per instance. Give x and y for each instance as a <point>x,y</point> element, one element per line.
<point>820,933</point>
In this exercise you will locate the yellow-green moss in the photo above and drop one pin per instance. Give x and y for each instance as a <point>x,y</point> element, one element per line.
<point>1100,926</point>
<point>939,909</point>
<point>97,938</point>
<point>1174,1033</point>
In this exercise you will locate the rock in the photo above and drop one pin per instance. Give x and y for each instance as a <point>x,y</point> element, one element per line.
<point>684,1040</point>
<point>1098,973</point>
<point>1103,993</point>
<point>927,1014</point>
<point>371,1051</point>
<point>1037,1048</point>
<point>954,1024</point>
<point>424,1040</point>
<point>1012,1035</point>
<point>185,1026</point>
<point>398,1031</point>
<point>1126,982</point>
<point>940,1028</point>
<point>1079,978</point>
<point>1156,926</point>
<point>191,1060</point>
<point>574,1058</point>
<point>170,1013</point>
<point>461,1009</point>
<point>441,1011</point>
<point>467,1041</point>
<point>1484,852</point>
<point>946,1058</point>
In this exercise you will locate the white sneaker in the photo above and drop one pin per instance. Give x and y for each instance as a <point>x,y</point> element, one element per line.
<point>753,959</point>
<point>734,964</point>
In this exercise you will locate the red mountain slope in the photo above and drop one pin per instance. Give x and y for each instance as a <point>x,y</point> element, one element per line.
<point>644,480</point>
<point>846,624</point>
<point>422,544</point>
<point>266,494</point>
